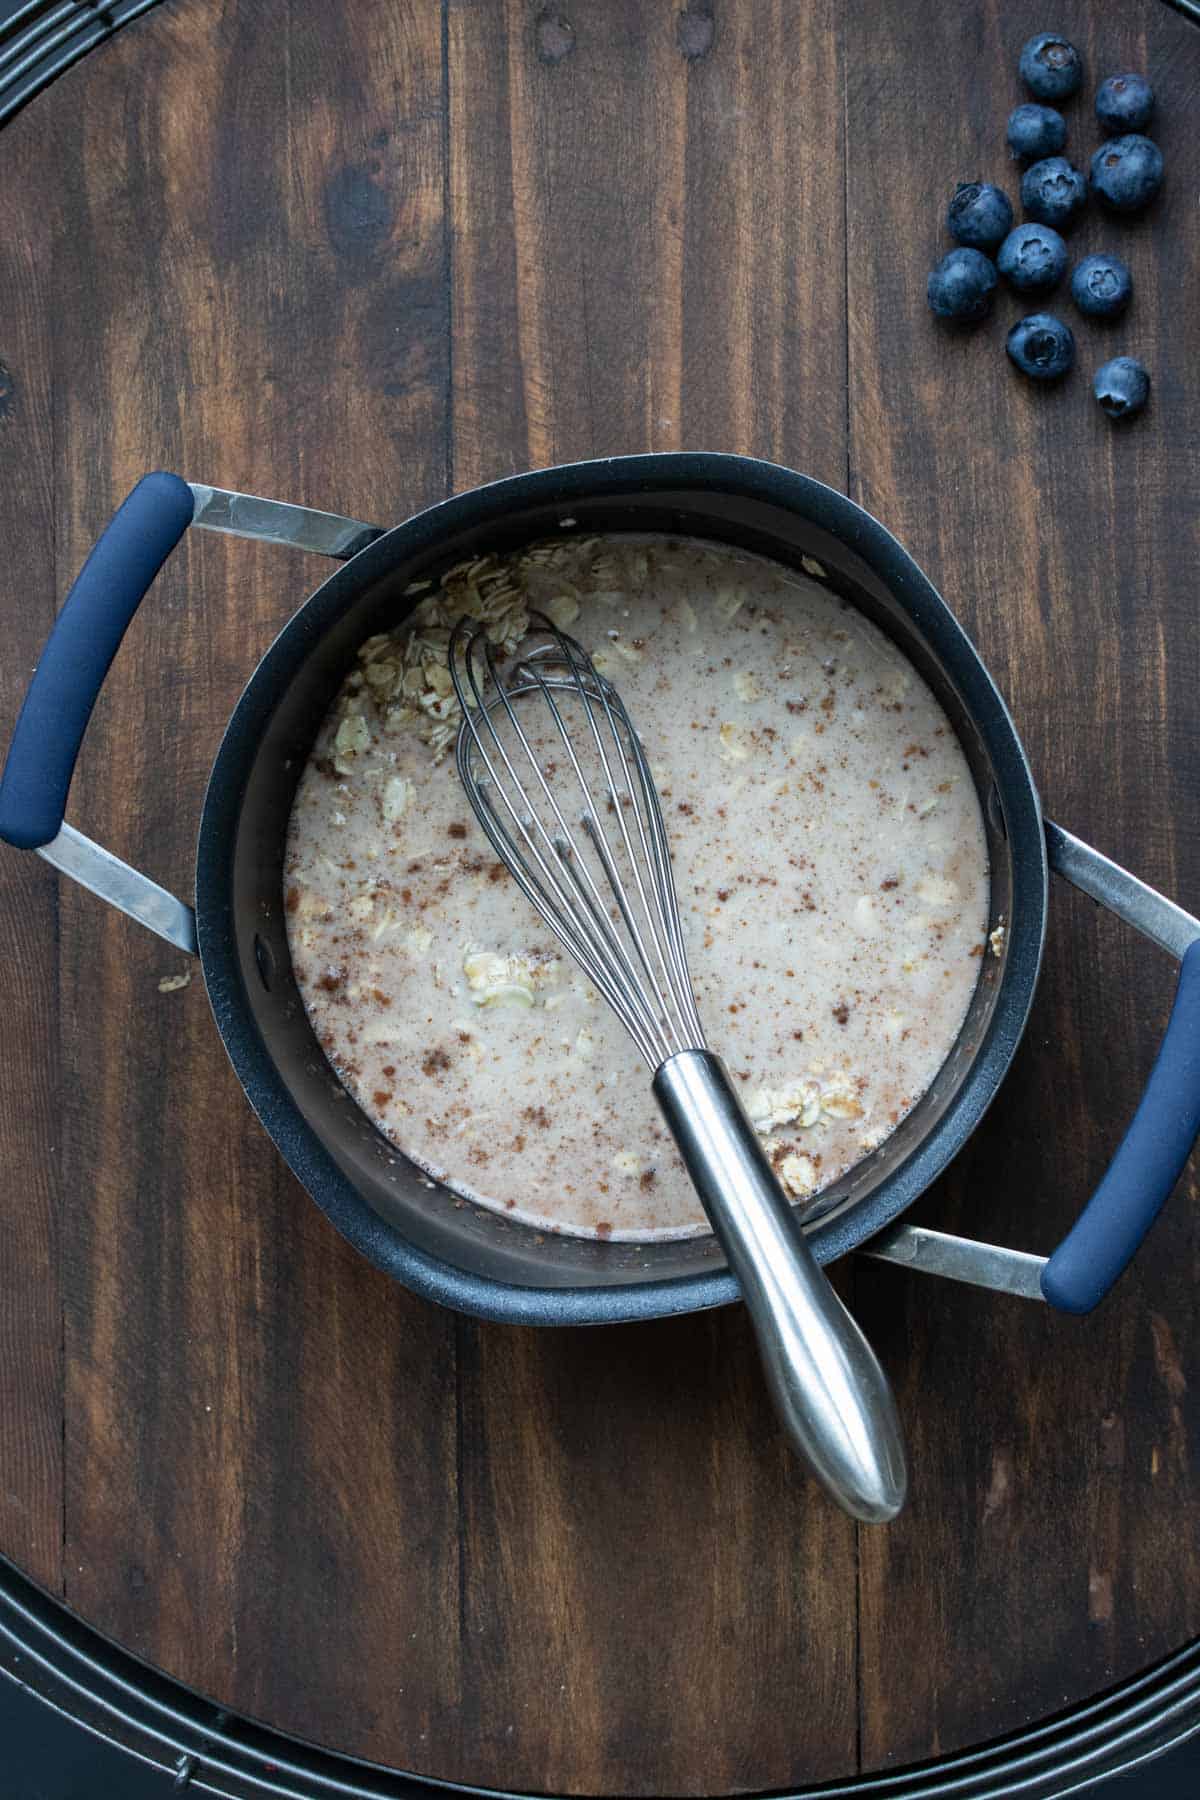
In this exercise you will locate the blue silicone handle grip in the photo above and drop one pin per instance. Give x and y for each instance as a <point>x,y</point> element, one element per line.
<point>87,633</point>
<point>1148,1163</point>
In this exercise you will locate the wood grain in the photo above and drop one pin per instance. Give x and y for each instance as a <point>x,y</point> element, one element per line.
<point>31,1435</point>
<point>359,256</point>
<point>1038,1539</point>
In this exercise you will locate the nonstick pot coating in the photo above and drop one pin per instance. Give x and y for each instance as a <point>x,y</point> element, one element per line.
<point>422,1233</point>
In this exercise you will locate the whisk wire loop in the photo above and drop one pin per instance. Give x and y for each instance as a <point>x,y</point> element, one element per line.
<point>667,1000</point>
<point>641,971</point>
<point>583,938</point>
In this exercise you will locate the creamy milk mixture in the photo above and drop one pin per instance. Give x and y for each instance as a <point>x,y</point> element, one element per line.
<point>829,856</point>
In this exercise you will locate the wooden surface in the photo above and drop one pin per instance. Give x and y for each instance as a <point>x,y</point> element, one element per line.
<point>360,256</point>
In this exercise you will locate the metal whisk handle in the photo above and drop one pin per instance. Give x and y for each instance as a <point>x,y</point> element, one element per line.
<point>831,1395</point>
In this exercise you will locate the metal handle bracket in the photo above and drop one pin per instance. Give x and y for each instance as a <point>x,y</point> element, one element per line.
<point>1157,918</point>
<point>240,515</point>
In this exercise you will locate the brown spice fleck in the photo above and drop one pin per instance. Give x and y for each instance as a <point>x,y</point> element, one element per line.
<point>842,1013</point>
<point>293,899</point>
<point>518,1142</point>
<point>381,1097</point>
<point>603,1227</point>
<point>458,829</point>
<point>646,1179</point>
<point>892,882</point>
<point>536,1115</point>
<point>437,1061</point>
<point>389,1069</point>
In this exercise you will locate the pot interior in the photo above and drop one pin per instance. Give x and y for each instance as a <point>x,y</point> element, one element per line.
<point>244,940</point>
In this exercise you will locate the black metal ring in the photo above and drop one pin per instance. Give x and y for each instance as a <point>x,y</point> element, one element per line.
<point>70,1666</point>
<point>143,1712</point>
<point>44,37</point>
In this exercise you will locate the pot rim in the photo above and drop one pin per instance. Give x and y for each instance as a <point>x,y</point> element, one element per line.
<point>610,477</point>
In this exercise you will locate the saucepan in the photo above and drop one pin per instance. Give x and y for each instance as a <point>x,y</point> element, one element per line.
<point>417,1231</point>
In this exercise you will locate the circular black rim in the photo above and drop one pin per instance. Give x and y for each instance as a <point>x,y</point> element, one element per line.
<point>45,37</point>
<point>206,1748</point>
<point>614,477</point>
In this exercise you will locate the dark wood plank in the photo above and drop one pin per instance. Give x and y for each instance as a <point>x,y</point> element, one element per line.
<point>1045,1554</point>
<point>639,214</point>
<point>567,144</point>
<point>260,1429</point>
<point>338,255</point>
<point>30,1132</point>
<point>764,313</point>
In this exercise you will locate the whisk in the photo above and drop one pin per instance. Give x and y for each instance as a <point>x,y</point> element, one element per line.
<point>558,778</point>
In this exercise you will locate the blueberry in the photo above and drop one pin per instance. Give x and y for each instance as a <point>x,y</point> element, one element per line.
<point>1041,346</point>
<point>1053,191</point>
<point>1050,67</point>
<point>1124,103</point>
<point>1101,286</point>
<point>1122,387</point>
<point>979,215</point>
<point>1035,131</point>
<point>1033,258</point>
<point>962,285</point>
<point>1127,172</point>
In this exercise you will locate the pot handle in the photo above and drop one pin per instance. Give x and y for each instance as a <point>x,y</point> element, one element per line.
<point>1150,1157</point>
<point>86,636</point>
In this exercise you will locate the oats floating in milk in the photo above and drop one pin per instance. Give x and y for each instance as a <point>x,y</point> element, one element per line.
<point>828,851</point>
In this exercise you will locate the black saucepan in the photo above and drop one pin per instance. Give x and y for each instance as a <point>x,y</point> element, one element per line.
<point>420,1233</point>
